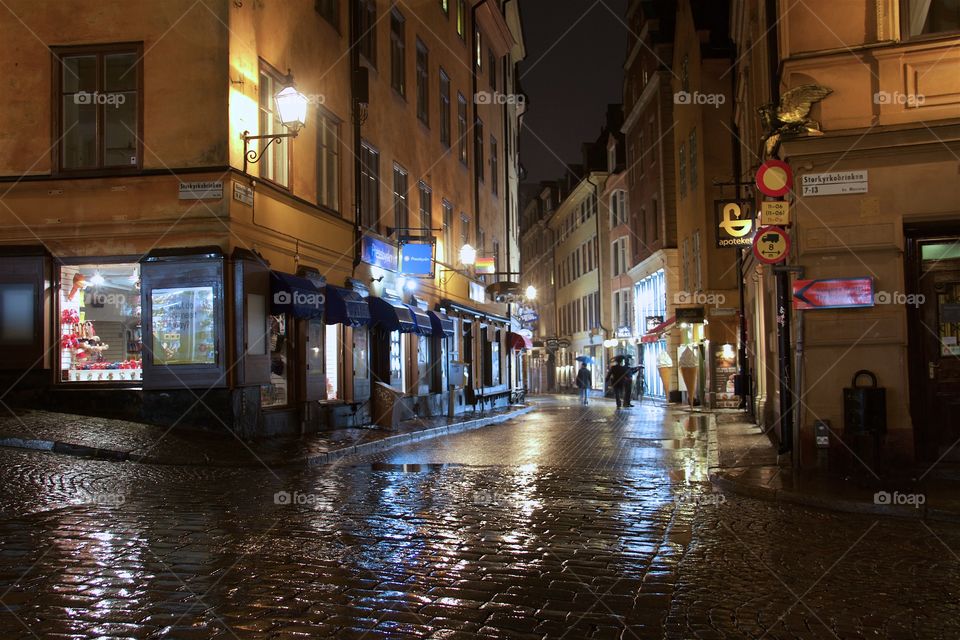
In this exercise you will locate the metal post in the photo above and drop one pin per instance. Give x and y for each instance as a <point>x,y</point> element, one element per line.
<point>787,443</point>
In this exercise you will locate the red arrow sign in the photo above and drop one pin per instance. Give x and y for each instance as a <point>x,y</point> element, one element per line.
<point>839,293</point>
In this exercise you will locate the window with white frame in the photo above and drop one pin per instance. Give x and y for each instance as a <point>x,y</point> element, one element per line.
<point>618,207</point>
<point>697,263</point>
<point>618,255</point>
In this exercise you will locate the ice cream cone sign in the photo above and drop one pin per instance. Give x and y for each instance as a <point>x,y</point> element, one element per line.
<point>664,366</point>
<point>688,369</point>
<point>79,282</point>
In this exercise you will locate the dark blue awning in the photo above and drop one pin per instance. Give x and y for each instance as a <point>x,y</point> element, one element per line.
<point>295,295</point>
<point>392,315</point>
<point>346,307</point>
<point>420,316</point>
<point>442,325</point>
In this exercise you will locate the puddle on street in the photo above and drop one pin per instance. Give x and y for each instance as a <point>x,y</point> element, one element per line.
<point>407,468</point>
<point>668,443</point>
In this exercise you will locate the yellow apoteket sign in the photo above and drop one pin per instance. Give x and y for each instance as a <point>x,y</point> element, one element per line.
<point>775,212</point>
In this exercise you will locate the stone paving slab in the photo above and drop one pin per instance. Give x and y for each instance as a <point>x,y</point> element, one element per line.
<point>747,464</point>
<point>122,440</point>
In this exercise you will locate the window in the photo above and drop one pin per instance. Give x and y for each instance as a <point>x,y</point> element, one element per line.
<point>183,324</point>
<point>328,162</point>
<point>369,186</point>
<point>496,257</point>
<point>651,129</point>
<point>682,173</point>
<point>641,143</point>
<point>492,63</point>
<point>693,159</point>
<point>101,338</point>
<point>423,83</point>
<point>367,39</point>
<point>465,237</point>
<point>400,190</point>
<point>478,148</point>
<point>462,127</point>
<point>332,365</point>
<point>275,162</point>
<point>478,54</point>
<point>655,218</point>
<point>494,167</point>
<point>330,10</point>
<point>618,208</point>
<point>398,53</point>
<point>444,108</point>
<point>923,17</point>
<point>685,73</point>
<point>426,208</point>
<point>397,344</point>
<point>276,393</point>
<point>18,311</point>
<point>697,263</point>
<point>461,18</point>
<point>685,265</point>
<point>618,256</point>
<point>98,124</point>
<point>448,249</point>
<point>632,161</point>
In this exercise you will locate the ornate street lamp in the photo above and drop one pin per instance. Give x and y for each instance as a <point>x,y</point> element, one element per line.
<point>292,112</point>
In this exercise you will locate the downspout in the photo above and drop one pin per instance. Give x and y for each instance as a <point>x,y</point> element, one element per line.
<point>357,122</point>
<point>746,382</point>
<point>600,295</point>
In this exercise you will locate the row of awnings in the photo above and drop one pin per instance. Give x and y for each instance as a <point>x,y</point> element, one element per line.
<point>303,299</point>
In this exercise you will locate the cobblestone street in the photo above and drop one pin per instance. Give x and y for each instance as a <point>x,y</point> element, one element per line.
<point>567,522</point>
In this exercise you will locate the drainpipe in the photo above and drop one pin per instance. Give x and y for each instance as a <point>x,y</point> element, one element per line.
<point>355,77</point>
<point>743,365</point>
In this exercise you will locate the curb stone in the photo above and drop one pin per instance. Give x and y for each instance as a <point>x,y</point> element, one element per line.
<point>83,451</point>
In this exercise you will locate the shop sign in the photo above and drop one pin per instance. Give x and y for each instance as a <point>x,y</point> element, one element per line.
<point>692,315</point>
<point>416,258</point>
<point>379,253</point>
<point>721,312</point>
<point>202,190</point>
<point>653,322</point>
<point>563,343</point>
<point>734,223</point>
<point>771,245</point>
<point>529,315</point>
<point>243,193</point>
<point>834,183</point>
<point>774,178</point>
<point>775,212</point>
<point>624,332</point>
<point>477,292</point>
<point>837,293</point>
<point>552,343</point>
<point>485,266</point>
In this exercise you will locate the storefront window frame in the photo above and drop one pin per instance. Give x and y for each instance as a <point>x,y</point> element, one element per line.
<point>28,266</point>
<point>184,270</point>
<point>58,284</point>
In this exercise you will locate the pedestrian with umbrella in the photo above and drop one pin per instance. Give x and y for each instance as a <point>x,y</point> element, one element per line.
<point>584,378</point>
<point>618,377</point>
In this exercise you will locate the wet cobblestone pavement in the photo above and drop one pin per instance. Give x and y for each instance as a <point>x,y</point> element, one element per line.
<point>567,522</point>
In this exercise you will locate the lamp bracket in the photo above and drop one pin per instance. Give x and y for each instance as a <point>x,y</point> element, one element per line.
<point>252,156</point>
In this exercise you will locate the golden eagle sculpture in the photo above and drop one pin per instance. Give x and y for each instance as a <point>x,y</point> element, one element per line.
<point>791,116</point>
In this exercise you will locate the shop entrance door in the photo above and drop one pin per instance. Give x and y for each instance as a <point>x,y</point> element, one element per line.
<point>934,311</point>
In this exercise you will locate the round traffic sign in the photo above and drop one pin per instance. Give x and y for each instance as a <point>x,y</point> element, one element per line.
<point>771,245</point>
<point>774,178</point>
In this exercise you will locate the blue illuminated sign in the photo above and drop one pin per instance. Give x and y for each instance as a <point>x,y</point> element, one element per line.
<point>416,259</point>
<point>379,253</point>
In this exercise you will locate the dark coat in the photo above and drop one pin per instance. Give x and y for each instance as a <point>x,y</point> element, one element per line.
<point>584,378</point>
<point>618,375</point>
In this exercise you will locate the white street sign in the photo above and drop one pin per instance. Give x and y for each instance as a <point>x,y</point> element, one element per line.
<point>834,183</point>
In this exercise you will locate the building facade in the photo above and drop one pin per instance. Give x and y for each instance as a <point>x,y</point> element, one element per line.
<point>254,275</point>
<point>890,125</point>
<point>537,242</point>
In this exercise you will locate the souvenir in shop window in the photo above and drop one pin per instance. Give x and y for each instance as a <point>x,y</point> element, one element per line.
<point>100,324</point>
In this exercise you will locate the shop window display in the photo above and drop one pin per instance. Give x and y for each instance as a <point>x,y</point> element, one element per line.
<point>276,393</point>
<point>333,363</point>
<point>100,329</point>
<point>183,326</point>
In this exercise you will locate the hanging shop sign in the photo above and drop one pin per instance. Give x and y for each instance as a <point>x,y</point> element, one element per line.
<point>379,253</point>
<point>834,293</point>
<point>834,183</point>
<point>624,332</point>
<point>485,266</point>
<point>563,343</point>
<point>774,178</point>
<point>416,259</point>
<point>734,223</point>
<point>775,212</point>
<point>477,292</point>
<point>692,315</point>
<point>771,245</point>
<point>202,190</point>
<point>653,322</point>
<point>529,315</point>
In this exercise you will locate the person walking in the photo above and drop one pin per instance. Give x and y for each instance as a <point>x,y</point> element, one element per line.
<point>628,385</point>
<point>615,377</point>
<point>584,382</point>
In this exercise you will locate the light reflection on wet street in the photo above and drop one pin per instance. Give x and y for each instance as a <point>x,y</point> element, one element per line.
<point>567,522</point>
